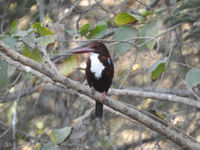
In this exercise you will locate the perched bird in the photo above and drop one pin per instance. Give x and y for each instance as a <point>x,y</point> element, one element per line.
<point>99,70</point>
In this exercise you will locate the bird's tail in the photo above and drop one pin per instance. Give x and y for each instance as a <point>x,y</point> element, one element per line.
<point>99,110</point>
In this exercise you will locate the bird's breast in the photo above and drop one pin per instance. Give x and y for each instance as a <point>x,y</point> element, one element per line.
<point>96,66</point>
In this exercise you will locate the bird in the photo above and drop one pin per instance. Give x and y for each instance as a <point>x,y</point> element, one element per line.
<point>99,70</point>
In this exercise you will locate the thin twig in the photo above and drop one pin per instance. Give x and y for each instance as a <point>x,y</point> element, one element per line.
<point>27,136</point>
<point>125,41</point>
<point>69,11</point>
<point>16,79</point>
<point>83,13</point>
<point>41,10</point>
<point>4,133</point>
<point>15,116</point>
<point>130,70</point>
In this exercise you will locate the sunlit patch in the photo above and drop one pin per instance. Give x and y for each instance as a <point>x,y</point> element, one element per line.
<point>82,65</point>
<point>145,104</point>
<point>28,69</point>
<point>198,138</point>
<point>136,66</point>
<point>130,135</point>
<point>33,9</point>
<point>178,120</point>
<point>12,90</point>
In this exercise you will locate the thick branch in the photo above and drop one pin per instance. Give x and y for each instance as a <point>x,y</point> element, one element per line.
<point>23,68</point>
<point>116,105</point>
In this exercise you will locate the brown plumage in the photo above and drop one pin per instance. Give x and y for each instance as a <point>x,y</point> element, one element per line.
<point>103,83</point>
<point>99,70</point>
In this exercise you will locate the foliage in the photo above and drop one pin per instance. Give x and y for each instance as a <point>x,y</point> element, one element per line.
<point>41,30</point>
<point>149,30</point>
<point>4,80</point>
<point>181,14</point>
<point>124,18</point>
<point>68,66</point>
<point>157,69</point>
<point>193,77</point>
<point>124,33</point>
<point>59,135</point>
<point>35,54</point>
<point>85,29</point>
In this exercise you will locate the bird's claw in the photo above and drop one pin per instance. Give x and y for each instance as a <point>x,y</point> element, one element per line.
<point>92,90</point>
<point>104,95</point>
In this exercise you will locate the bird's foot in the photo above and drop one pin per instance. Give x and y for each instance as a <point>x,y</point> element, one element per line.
<point>92,90</point>
<point>104,95</point>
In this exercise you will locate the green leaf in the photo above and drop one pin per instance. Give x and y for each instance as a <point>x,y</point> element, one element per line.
<point>74,33</point>
<point>124,18</point>
<point>19,46</point>
<point>157,69</point>
<point>145,12</point>
<point>108,23</point>
<point>14,26</point>
<point>48,146</point>
<point>149,30</point>
<point>29,41</point>
<point>10,41</point>
<point>85,29</point>
<point>140,19</point>
<point>43,31</point>
<point>22,33</point>
<point>159,115</point>
<point>102,22</point>
<point>193,77</point>
<point>45,40</point>
<point>97,32</point>
<point>123,33</point>
<point>4,80</point>
<point>35,54</point>
<point>59,135</point>
<point>68,66</point>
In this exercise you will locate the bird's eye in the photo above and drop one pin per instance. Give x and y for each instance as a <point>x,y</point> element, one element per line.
<point>95,47</point>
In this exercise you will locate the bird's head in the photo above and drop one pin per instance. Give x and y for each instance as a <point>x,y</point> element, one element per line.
<point>95,47</point>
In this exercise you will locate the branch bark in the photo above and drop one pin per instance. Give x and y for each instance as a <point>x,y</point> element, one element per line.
<point>58,79</point>
<point>157,96</point>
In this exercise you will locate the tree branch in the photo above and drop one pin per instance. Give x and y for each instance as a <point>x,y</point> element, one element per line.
<point>24,68</point>
<point>69,12</point>
<point>157,96</point>
<point>114,104</point>
<point>41,10</point>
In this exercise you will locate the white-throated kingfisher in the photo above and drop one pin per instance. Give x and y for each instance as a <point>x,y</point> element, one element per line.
<point>99,70</point>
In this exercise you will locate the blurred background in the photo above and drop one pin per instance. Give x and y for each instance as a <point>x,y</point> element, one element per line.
<point>164,57</point>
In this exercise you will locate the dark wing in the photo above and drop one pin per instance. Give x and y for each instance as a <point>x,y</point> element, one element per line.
<point>109,71</point>
<point>89,74</point>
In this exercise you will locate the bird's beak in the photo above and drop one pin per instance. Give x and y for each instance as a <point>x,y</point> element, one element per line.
<point>81,50</point>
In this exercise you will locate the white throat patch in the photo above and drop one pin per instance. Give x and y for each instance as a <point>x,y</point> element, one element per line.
<point>96,66</point>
